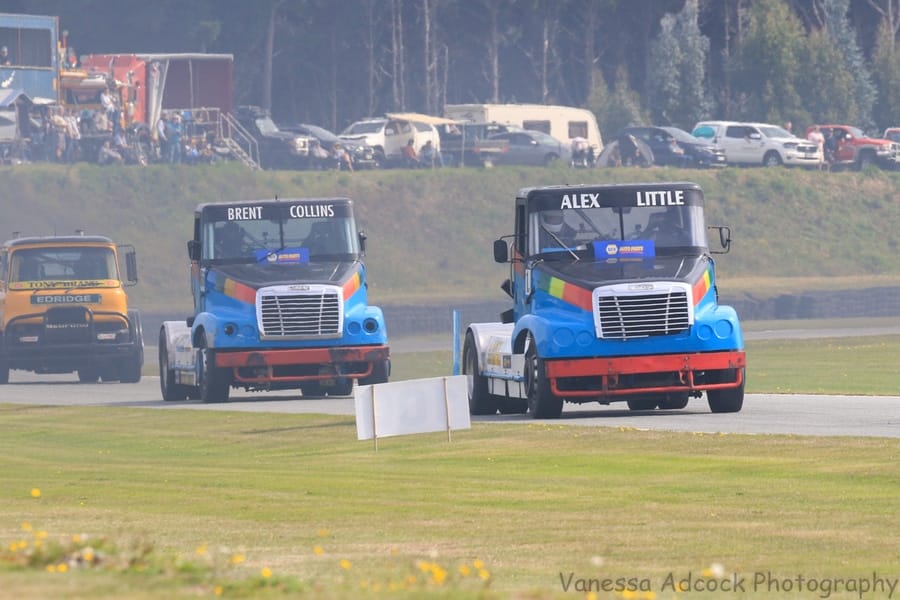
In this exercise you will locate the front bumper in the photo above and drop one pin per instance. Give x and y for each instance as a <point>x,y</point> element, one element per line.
<point>301,364</point>
<point>598,378</point>
<point>38,342</point>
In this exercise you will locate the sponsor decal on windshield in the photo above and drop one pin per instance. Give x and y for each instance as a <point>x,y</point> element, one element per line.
<point>287,256</point>
<point>624,249</point>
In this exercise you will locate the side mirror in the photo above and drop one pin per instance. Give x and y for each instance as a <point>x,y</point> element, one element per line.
<point>193,247</point>
<point>131,271</point>
<point>724,239</point>
<point>501,251</point>
<point>362,242</point>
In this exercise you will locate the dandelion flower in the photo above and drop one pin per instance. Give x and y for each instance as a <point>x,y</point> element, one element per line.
<point>484,574</point>
<point>318,551</point>
<point>26,526</point>
<point>35,493</point>
<point>478,564</point>
<point>324,532</point>
<point>464,570</point>
<point>62,568</point>
<point>237,559</point>
<point>345,564</point>
<point>201,550</point>
<point>218,590</point>
<point>266,572</point>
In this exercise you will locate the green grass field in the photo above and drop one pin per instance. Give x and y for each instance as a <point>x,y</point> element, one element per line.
<point>134,503</point>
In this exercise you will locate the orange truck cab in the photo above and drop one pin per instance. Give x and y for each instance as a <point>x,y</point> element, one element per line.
<point>63,309</point>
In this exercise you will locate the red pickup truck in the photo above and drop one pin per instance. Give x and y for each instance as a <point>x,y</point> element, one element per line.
<point>855,149</point>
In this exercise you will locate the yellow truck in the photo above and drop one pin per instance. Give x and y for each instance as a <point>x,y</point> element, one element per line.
<point>63,308</point>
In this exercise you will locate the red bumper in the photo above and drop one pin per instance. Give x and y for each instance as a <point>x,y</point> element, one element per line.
<point>301,364</point>
<point>644,374</point>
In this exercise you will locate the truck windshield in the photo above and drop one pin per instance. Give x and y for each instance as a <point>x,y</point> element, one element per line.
<point>291,241</point>
<point>672,229</point>
<point>62,264</point>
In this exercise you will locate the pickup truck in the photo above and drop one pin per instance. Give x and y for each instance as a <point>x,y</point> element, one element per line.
<point>857,150</point>
<point>467,144</point>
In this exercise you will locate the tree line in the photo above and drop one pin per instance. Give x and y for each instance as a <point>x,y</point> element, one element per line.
<point>667,62</point>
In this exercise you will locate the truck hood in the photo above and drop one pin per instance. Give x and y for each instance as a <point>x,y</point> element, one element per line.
<point>591,274</point>
<point>872,141</point>
<point>333,272</point>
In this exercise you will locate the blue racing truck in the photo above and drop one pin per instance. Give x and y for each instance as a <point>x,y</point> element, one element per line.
<point>280,302</point>
<point>614,299</point>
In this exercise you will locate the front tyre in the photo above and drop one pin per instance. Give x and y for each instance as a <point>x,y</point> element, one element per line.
<point>729,400</point>
<point>171,391</point>
<point>480,401</point>
<point>541,402</point>
<point>214,381</point>
<point>772,159</point>
<point>380,373</point>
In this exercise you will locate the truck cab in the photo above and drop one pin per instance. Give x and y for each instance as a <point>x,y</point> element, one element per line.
<point>280,302</point>
<point>613,299</point>
<point>63,309</point>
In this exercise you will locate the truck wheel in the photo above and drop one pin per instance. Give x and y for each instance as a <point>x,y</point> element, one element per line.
<point>674,401</point>
<point>541,402</point>
<point>642,403</point>
<point>380,373</point>
<point>513,406</point>
<point>771,159</point>
<point>88,375</point>
<point>130,369</point>
<point>480,401</point>
<point>341,387</point>
<point>4,369</point>
<point>171,391</point>
<point>866,159</point>
<point>214,382</point>
<point>729,400</point>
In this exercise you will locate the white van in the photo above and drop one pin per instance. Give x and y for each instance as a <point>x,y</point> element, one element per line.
<point>565,123</point>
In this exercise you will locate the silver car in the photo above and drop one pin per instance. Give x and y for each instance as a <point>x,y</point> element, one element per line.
<point>530,147</point>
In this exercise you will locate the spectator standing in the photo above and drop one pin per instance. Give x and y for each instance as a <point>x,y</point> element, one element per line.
<point>108,103</point>
<point>73,136</point>
<point>815,136</point>
<point>5,60</point>
<point>789,127</point>
<point>173,133</point>
<point>830,147</point>
<point>162,137</point>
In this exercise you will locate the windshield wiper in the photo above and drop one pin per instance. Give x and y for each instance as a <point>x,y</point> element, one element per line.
<point>560,243</point>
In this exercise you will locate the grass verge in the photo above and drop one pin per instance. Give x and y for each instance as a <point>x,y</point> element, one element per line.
<point>202,504</point>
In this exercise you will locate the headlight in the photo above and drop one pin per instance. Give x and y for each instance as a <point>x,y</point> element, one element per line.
<point>790,145</point>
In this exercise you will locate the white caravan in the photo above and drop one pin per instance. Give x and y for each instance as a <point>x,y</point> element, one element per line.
<point>565,123</point>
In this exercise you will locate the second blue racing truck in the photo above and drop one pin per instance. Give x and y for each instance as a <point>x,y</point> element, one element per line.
<point>280,302</point>
<point>614,299</point>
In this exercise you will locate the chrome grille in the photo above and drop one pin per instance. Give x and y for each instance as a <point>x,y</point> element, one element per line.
<point>312,314</point>
<point>642,315</point>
